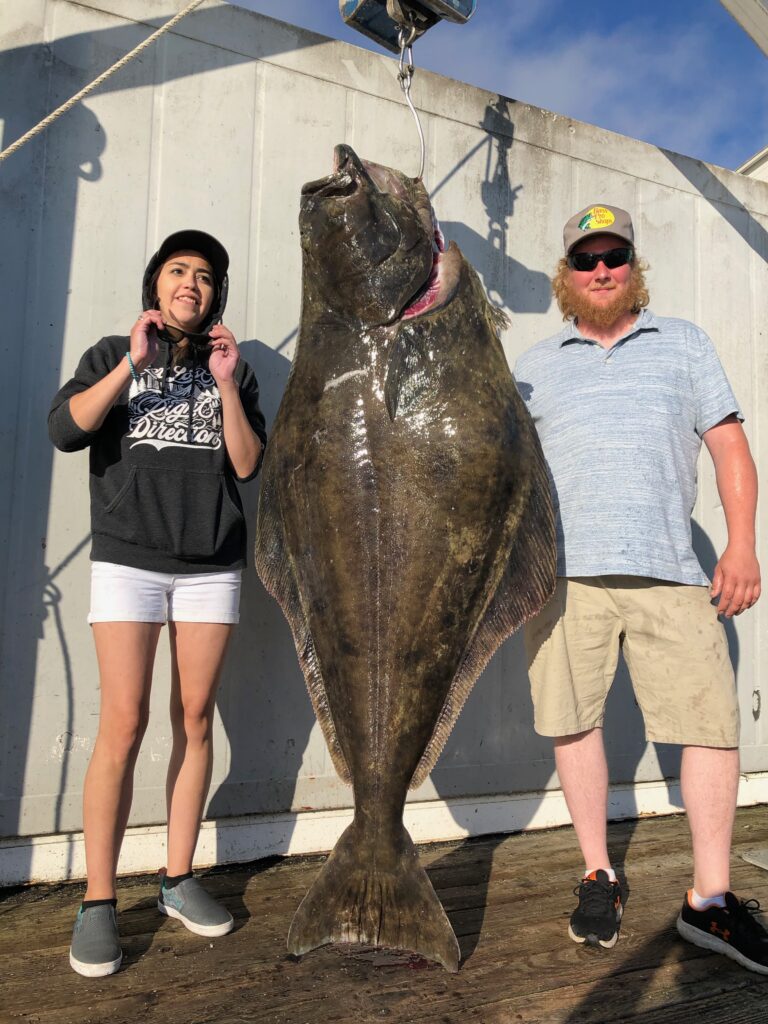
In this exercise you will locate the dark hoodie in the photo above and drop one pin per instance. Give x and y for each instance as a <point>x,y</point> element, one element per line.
<point>163,495</point>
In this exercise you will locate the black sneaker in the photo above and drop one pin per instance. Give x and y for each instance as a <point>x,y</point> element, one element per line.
<point>596,919</point>
<point>732,930</point>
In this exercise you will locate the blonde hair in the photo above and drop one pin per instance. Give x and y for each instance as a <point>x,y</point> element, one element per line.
<point>561,288</point>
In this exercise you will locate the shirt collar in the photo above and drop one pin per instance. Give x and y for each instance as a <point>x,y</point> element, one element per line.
<point>646,321</point>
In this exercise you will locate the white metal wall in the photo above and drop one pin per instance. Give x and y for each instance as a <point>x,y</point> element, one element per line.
<point>217,127</point>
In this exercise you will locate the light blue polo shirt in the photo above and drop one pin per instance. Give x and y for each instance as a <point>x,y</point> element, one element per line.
<point>621,431</point>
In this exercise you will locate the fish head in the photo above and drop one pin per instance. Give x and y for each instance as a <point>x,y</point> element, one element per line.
<point>368,238</point>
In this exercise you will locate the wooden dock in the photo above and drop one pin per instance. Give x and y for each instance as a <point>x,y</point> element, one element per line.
<point>508,898</point>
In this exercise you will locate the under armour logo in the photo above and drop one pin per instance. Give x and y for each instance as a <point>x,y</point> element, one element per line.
<point>724,932</point>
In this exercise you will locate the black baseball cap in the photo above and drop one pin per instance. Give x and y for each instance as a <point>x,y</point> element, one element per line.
<point>198,241</point>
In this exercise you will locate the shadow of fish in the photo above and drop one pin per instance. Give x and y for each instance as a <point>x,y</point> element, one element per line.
<point>405,527</point>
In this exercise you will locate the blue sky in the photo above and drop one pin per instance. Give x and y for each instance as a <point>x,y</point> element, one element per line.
<point>681,74</point>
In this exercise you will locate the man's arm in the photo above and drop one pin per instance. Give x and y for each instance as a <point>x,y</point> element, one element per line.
<point>736,579</point>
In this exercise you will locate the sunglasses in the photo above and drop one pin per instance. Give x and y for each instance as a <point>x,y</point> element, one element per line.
<point>612,258</point>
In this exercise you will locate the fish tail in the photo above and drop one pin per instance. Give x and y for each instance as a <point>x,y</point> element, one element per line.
<point>375,894</point>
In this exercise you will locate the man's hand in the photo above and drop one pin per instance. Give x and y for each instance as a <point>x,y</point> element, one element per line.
<point>736,581</point>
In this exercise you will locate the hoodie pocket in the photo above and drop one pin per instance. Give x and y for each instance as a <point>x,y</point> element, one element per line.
<point>122,492</point>
<point>188,515</point>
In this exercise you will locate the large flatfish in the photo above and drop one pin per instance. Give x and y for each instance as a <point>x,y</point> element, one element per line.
<point>405,527</point>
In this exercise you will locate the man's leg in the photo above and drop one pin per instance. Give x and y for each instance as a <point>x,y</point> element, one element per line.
<point>677,654</point>
<point>572,648</point>
<point>711,916</point>
<point>709,779</point>
<point>583,772</point>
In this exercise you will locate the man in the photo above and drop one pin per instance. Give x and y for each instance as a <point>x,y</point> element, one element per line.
<point>622,400</point>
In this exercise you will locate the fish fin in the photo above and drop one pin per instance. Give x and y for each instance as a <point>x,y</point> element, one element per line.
<point>409,374</point>
<point>497,318</point>
<point>275,568</point>
<point>356,899</point>
<point>525,587</point>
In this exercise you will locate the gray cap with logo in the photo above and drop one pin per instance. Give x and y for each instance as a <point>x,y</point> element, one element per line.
<point>598,220</point>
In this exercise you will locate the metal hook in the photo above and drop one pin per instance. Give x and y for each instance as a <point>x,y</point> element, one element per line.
<point>405,77</point>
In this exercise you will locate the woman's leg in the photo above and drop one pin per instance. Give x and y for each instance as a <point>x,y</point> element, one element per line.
<point>197,651</point>
<point>126,654</point>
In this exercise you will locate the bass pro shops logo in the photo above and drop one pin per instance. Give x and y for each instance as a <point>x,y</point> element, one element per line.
<point>596,219</point>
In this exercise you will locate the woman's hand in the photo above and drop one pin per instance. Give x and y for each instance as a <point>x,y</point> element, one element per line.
<point>224,355</point>
<point>89,408</point>
<point>143,346</point>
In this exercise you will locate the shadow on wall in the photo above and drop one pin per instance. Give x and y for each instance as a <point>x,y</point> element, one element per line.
<point>723,200</point>
<point>81,57</point>
<point>36,313</point>
<point>509,282</point>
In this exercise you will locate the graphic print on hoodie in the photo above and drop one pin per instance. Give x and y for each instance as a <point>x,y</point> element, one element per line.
<point>178,408</point>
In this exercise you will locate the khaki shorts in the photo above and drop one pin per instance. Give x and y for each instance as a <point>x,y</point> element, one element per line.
<point>674,646</point>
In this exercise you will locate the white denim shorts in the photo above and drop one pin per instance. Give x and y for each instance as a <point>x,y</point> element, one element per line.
<point>122,594</point>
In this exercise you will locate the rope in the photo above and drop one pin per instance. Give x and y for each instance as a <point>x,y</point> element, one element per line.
<point>47,121</point>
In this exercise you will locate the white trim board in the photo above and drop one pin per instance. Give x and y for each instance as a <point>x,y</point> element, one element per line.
<point>57,858</point>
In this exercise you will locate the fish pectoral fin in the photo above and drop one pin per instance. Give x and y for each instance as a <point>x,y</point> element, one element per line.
<point>525,587</point>
<point>275,569</point>
<point>410,375</point>
<point>355,900</point>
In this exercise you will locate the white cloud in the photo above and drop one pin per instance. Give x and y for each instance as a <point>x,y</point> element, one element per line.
<point>657,78</point>
<point>631,78</point>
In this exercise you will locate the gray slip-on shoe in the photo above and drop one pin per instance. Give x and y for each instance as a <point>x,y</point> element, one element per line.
<point>189,903</point>
<point>95,950</point>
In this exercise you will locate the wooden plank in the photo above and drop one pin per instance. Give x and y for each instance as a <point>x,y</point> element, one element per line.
<point>509,899</point>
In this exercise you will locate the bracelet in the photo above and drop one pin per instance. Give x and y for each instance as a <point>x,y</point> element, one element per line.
<point>133,368</point>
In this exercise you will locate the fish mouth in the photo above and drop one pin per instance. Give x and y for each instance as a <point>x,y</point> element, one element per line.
<point>339,184</point>
<point>350,173</point>
<point>443,280</point>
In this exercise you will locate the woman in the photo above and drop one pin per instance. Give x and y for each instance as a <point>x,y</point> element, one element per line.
<point>171,415</point>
